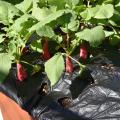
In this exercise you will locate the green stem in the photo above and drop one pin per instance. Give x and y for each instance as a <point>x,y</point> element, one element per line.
<point>81,65</point>
<point>115,31</point>
<point>88,3</point>
<point>28,35</point>
<point>72,49</point>
<point>27,63</point>
<point>67,40</point>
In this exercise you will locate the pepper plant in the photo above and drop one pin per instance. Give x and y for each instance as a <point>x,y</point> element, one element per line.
<point>71,24</point>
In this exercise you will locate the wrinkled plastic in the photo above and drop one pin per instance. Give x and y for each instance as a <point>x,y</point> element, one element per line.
<point>19,91</point>
<point>102,99</point>
<point>99,101</point>
<point>68,87</point>
<point>50,108</point>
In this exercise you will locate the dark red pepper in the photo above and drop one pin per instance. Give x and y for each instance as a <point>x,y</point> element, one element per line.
<point>83,52</point>
<point>21,73</point>
<point>69,65</point>
<point>46,54</point>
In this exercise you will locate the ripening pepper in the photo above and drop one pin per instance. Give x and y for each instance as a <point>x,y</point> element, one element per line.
<point>69,65</point>
<point>83,52</point>
<point>21,73</point>
<point>46,54</point>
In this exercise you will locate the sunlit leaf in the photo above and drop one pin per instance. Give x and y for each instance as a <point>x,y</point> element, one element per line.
<point>5,65</point>
<point>54,68</point>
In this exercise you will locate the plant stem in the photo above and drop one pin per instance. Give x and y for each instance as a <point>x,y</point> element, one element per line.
<point>73,48</point>
<point>115,30</point>
<point>81,65</point>
<point>78,41</point>
<point>28,36</point>
<point>88,3</point>
<point>27,63</point>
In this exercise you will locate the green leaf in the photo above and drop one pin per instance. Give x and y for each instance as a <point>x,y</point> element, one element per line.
<point>3,14</point>
<point>36,45</point>
<point>108,33</point>
<point>64,19</point>
<point>94,36</point>
<point>7,12</point>
<point>43,3</point>
<point>117,4</point>
<point>1,38</point>
<point>54,68</point>
<point>58,39</point>
<point>73,25</point>
<point>59,3</point>
<point>18,25</point>
<point>1,48</point>
<point>14,2</point>
<point>115,39</point>
<point>105,1</point>
<point>36,68</point>
<point>41,13</point>
<point>5,65</point>
<point>98,12</point>
<point>25,5</point>
<point>45,31</point>
<point>20,42</point>
<point>79,9</point>
<point>22,25</point>
<point>104,11</point>
<point>115,19</point>
<point>68,22</point>
<point>51,17</point>
<point>12,47</point>
<point>72,3</point>
<point>87,14</point>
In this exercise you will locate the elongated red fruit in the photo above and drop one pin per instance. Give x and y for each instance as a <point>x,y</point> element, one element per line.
<point>69,65</point>
<point>83,52</point>
<point>46,54</point>
<point>21,73</point>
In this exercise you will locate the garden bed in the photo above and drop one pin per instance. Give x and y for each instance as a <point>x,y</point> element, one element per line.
<point>60,59</point>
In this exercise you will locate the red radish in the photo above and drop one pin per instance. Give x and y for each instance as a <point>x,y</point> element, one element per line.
<point>69,65</point>
<point>46,54</point>
<point>25,50</point>
<point>83,52</point>
<point>21,73</point>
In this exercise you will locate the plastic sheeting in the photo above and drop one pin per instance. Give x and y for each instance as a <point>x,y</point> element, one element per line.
<point>73,97</point>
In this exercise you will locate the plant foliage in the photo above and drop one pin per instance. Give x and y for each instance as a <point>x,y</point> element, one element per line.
<point>68,23</point>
